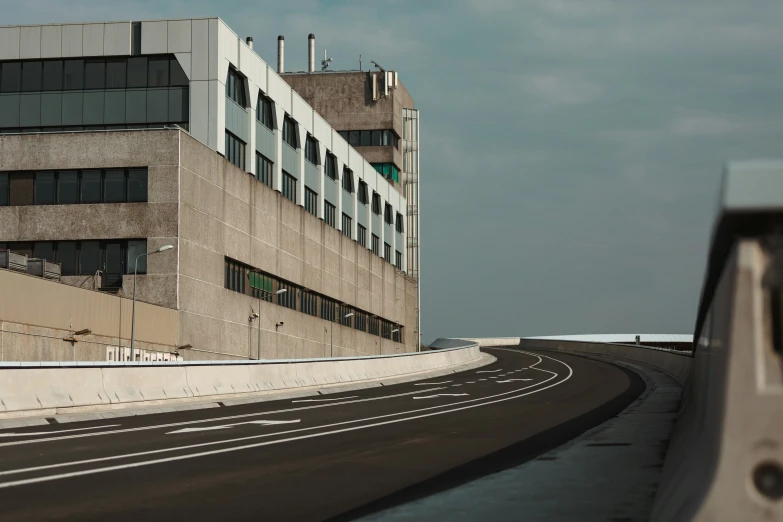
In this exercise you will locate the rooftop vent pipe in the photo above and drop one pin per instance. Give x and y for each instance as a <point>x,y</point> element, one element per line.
<point>311,53</point>
<point>280,54</point>
<point>249,41</point>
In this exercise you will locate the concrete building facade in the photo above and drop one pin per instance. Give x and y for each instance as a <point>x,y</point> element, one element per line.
<point>375,113</point>
<point>263,201</point>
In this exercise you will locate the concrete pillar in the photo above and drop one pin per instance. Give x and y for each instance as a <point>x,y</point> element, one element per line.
<point>278,167</point>
<point>300,188</point>
<point>321,178</point>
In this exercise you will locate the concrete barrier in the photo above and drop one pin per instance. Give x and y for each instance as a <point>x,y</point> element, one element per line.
<point>494,341</point>
<point>32,388</point>
<point>675,363</point>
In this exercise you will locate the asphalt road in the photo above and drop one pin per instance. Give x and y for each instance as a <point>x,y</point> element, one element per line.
<point>332,457</point>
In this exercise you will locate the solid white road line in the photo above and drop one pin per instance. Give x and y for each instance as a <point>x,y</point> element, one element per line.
<point>490,371</point>
<point>226,426</point>
<point>268,443</point>
<point>430,383</point>
<point>512,380</point>
<point>442,395</point>
<point>214,419</point>
<point>266,435</point>
<point>327,400</point>
<point>56,432</point>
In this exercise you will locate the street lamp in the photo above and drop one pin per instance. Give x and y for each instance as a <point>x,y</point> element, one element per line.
<point>393,332</point>
<point>135,274</point>
<point>281,291</point>
<point>331,335</point>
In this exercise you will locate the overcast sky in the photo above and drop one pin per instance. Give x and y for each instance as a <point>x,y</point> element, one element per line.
<point>571,149</point>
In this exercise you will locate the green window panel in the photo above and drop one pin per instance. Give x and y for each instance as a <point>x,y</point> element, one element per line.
<point>9,110</point>
<point>136,106</point>
<point>72,108</point>
<point>114,108</point>
<point>51,109</point>
<point>157,105</point>
<point>93,108</point>
<point>30,110</point>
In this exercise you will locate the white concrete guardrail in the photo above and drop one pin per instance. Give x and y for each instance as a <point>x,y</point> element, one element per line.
<point>42,388</point>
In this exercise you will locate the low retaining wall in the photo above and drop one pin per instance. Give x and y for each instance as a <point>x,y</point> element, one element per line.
<point>675,363</point>
<point>31,387</point>
<point>494,341</point>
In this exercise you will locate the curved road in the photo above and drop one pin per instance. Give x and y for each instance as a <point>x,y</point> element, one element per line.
<point>333,457</point>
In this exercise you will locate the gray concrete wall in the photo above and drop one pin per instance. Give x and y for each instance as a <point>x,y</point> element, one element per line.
<point>225,212</point>
<point>156,220</point>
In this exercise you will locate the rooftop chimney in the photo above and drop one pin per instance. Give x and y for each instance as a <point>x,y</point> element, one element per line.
<point>311,53</point>
<point>280,54</point>
<point>249,41</point>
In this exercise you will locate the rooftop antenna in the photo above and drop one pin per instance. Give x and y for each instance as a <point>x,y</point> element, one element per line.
<point>360,62</point>
<point>377,65</point>
<point>325,62</point>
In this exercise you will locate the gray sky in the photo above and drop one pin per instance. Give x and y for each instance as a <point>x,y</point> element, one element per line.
<point>571,149</point>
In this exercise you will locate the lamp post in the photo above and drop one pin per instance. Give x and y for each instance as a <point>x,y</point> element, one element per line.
<point>331,335</point>
<point>133,308</point>
<point>281,291</point>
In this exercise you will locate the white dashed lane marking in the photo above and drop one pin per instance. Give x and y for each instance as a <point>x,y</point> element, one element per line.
<point>441,395</point>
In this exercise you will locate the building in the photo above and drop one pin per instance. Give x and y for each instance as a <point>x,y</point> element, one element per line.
<point>118,138</point>
<point>375,113</point>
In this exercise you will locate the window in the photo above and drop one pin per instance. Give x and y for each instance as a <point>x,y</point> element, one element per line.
<point>91,186</point>
<point>260,284</point>
<point>264,112</point>
<point>345,310</point>
<point>397,336</point>
<point>348,180</point>
<point>376,203</point>
<point>289,186</point>
<point>137,72</point>
<point>374,326</point>
<point>363,197</point>
<point>114,186</point>
<point>32,74</point>
<point>347,225</point>
<point>289,132</point>
<point>5,190</point>
<point>52,75</point>
<point>158,73</point>
<point>74,75</point>
<point>387,252</point>
<point>376,245</point>
<point>137,185</point>
<point>235,275</point>
<point>399,223</point>
<point>361,235</point>
<point>235,87</point>
<point>114,257</point>
<point>235,150</point>
<point>354,138</point>
<point>360,321</point>
<point>329,217</point>
<point>311,201</point>
<point>388,214</point>
<point>311,150</point>
<point>95,74</point>
<point>343,135</point>
<point>388,171</point>
<point>264,169</point>
<point>287,298</point>
<point>11,77</point>
<point>365,138</point>
<point>308,303</point>
<point>44,188</point>
<point>330,167</point>
<point>68,187</point>
<point>115,74</point>
<point>328,308</point>
<point>398,259</point>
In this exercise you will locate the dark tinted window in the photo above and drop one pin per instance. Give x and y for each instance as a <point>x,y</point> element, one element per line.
<point>11,77</point>
<point>158,72</point>
<point>4,189</point>
<point>137,72</point>
<point>68,188</point>
<point>53,75</point>
<point>178,77</point>
<point>95,75</point>
<point>44,188</point>
<point>137,185</point>
<point>354,138</point>
<point>91,186</point>
<point>115,74</point>
<point>89,257</point>
<point>264,111</point>
<point>74,75</point>
<point>44,250</point>
<point>136,248</point>
<point>114,186</point>
<point>376,137</point>
<point>32,73</point>
<point>66,256</point>
<point>366,138</point>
